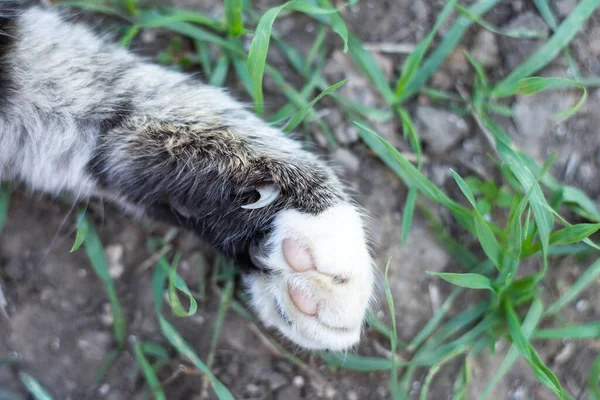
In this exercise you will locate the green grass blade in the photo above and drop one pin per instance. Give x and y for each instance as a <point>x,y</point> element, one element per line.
<point>546,13</point>
<point>587,331</point>
<point>468,280</point>
<point>413,61</point>
<point>517,34</point>
<point>129,35</point>
<point>107,363</point>
<point>393,339</point>
<point>224,303</point>
<point>148,371</point>
<point>529,86</point>
<point>573,233</point>
<point>543,374</point>
<point>82,231</point>
<point>152,19</point>
<point>155,350</point>
<point>5,192</point>
<point>411,175</point>
<point>532,319</point>
<point>242,74</point>
<point>314,51</point>
<point>586,279</point>
<point>446,47</point>
<point>301,114</point>
<point>431,356</point>
<point>460,388</point>
<point>574,197</point>
<point>514,243</point>
<point>131,6</point>
<point>158,283</point>
<point>204,57</point>
<point>593,389</point>
<point>34,387</point>
<point>337,24</point>
<point>378,325</point>
<point>409,130</point>
<point>6,394</point>
<point>435,369</point>
<point>479,70</point>
<point>456,324</point>
<point>95,252</point>
<point>484,233</point>
<point>233,15</point>
<point>407,215</point>
<point>176,283</point>
<point>219,72</point>
<point>179,24</point>
<point>539,206</point>
<point>561,37</point>
<point>353,362</point>
<point>95,7</point>
<point>364,60</point>
<point>257,56</point>
<point>434,321</point>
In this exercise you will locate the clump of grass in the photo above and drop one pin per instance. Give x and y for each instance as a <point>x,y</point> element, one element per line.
<point>529,199</point>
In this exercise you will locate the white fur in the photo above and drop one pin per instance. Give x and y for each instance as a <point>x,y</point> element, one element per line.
<point>69,79</point>
<point>337,243</point>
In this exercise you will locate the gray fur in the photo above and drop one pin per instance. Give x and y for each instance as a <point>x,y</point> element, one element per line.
<point>85,116</point>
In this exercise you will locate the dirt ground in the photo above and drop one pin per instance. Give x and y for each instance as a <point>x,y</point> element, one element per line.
<point>59,325</point>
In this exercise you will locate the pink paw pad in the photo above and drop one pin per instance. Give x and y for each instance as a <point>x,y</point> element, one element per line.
<point>298,257</point>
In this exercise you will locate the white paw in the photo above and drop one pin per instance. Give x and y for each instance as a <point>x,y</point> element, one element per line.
<point>321,279</point>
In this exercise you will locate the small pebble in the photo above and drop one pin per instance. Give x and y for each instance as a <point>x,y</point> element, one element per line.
<point>103,390</point>
<point>582,305</point>
<point>352,395</point>
<point>298,381</point>
<point>106,317</point>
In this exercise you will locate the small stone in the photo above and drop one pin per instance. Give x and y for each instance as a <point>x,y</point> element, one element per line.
<point>582,305</point>
<point>441,129</point>
<point>276,380</point>
<point>533,119</point>
<point>439,174</point>
<point>104,389</point>
<point>345,134</point>
<point>330,392</point>
<point>55,344</point>
<point>441,80</point>
<point>572,164</point>
<point>14,270</point>
<point>586,172</point>
<point>457,61</point>
<point>114,256</point>
<point>348,160</point>
<point>565,353</point>
<point>485,48</point>
<point>106,317</point>
<point>148,36</point>
<point>520,393</point>
<point>298,381</point>
<point>253,389</point>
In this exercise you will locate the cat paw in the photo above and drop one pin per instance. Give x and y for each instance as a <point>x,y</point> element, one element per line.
<point>318,279</point>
